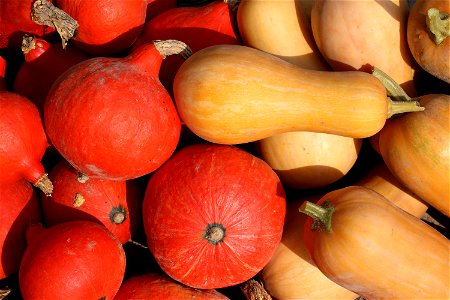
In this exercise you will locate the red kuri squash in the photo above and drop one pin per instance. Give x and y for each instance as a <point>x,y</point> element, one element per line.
<point>111,117</point>
<point>97,200</point>
<point>19,206</point>
<point>162,287</point>
<point>23,142</point>
<point>213,215</point>
<point>71,260</point>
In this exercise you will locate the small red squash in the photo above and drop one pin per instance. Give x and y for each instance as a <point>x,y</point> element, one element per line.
<point>43,64</point>
<point>15,20</point>
<point>197,26</point>
<point>71,260</point>
<point>213,215</point>
<point>162,287</point>
<point>19,207</point>
<point>2,74</point>
<point>111,117</point>
<point>105,27</point>
<point>23,142</point>
<point>97,200</point>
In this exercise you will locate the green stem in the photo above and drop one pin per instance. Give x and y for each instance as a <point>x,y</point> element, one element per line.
<point>394,90</point>
<point>439,25</point>
<point>320,214</point>
<point>399,107</point>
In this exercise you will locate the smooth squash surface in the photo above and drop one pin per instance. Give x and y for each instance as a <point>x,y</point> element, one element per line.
<point>233,94</point>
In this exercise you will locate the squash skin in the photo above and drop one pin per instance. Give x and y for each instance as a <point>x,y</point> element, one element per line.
<point>231,94</point>
<point>415,147</point>
<point>431,57</point>
<point>373,33</point>
<point>402,257</point>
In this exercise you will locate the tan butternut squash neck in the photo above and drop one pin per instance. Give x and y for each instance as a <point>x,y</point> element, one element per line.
<point>320,214</point>
<point>439,24</point>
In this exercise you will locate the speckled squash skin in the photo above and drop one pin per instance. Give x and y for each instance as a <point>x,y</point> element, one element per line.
<point>111,118</point>
<point>208,186</point>
<point>415,147</point>
<point>106,27</point>
<point>403,257</point>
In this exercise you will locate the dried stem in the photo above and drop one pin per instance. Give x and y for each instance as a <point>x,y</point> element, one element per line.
<point>171,47</point>
<point>253,290</point>
<point>45,185</point>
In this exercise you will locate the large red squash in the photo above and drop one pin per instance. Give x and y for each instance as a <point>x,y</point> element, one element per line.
<point>23,142</point>
<point>162,287</point>
<point>103,201</point>
<point>111,117</point>
<point>71,260</point>
<point>213,215</point>
<point>19,207</point>
<point>197,26</point>
<point>105,27</point>
<point>43,64</point>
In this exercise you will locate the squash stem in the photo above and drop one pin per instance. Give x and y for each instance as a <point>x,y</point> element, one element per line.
<point>399,107</point>
<point>439,25</point>
<point>171,47</point>
<point>320,214</point>
<point>394,90</point>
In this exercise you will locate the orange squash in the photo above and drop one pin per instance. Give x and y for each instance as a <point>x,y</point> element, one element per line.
<point>230,94</point>
<point>363,242</point>
<point>427,33</point>
<point>290,273</point>
<point>381,180</point>
<point>415,147</point>
<point>357,35</point>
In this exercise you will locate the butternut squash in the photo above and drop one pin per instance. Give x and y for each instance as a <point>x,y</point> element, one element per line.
<point>231,94</point>
<point>359,35</point>
<point>363,242</point>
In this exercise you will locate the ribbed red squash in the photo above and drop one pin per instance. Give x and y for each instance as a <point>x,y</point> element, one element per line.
<point>97,200</point>
<point>111,118</point>
<point>71,260</point>
<point>213,215</point>
<point>19,207</point>
<point>162,287</point>
<point>105,27</point>
<point>23,142</point>
<point>43,64</point>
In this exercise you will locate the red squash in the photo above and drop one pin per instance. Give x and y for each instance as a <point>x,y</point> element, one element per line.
<point>43,64</point>
<point>23,142</point>
<point>105,27</point>
<point>97,200</point>
<point>213,215</point>
<point>197,26</point>
<point>71,260</point>
<point>15,20</point>
<point>20,208</point>
<point>162,287</point>
<point>111,118</point>
<point>2,74</point>
<point>155,7</point>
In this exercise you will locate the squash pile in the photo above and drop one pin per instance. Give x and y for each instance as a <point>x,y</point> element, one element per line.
<point>214,149</point>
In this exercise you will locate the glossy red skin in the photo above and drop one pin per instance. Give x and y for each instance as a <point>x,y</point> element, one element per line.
<point>20,208</point>
<point>198,27</point>
<point>15,21</point>
<point>106,27</point>
<point>101,198</point>
<point>42,66</point>
<point>162,287</point>
<point>204,184</point>
<point>111,118</point>
<point>23,140</point>
<point>71,260</point>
